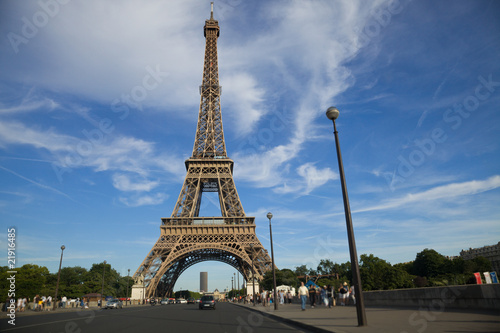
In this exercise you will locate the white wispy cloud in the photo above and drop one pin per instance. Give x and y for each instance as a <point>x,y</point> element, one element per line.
<point>103,153</point>
<point>444,192</point>
<point>124,183</point>
<point>29,106</point>
<point>142,200</point>
<point>43,186</point>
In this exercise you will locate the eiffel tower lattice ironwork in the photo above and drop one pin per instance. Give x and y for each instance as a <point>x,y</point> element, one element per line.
<point>186,238</point>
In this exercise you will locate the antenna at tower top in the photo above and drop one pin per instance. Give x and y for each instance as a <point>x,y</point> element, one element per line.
<point>211,10</point>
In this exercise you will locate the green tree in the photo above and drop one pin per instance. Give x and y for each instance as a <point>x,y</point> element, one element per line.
<point>378,274</point>
<point>283,277</point>
<point>287,277</point>
<point>407,267</point>
<point>481,264</point>
<point>326,266</point>
<point>374,272</point>
<point>301,270</point>
<point>30,281</point>
<point>429,263</point>
<point>93,282</point>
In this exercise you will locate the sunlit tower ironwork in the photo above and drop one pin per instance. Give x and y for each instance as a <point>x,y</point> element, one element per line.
<point>187,238</point>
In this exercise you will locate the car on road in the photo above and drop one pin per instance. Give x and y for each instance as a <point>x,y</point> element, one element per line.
<point>164,301</point>
<point>191,300</point>
<point>181,301</point>
<point>113,304</point>
<point>207,302</point>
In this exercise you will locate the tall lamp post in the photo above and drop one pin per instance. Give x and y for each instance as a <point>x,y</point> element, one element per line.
<point>332,113</point>
<point>126,296</point>
<point>253,276</point>
<point>58,277</point>
<point>270,216</point>
<point>102,289</point>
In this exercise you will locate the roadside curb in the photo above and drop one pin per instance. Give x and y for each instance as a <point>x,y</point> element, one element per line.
<point>286,320</point>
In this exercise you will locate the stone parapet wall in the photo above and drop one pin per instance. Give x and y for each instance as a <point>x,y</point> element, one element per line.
<point>486,296</point>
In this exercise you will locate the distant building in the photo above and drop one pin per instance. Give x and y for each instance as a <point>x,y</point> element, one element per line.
<point>203,282</point>
<point>490,252</point>
<point>217,295</point>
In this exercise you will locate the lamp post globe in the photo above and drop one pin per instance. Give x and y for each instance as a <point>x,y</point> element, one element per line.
<point>332,113</point>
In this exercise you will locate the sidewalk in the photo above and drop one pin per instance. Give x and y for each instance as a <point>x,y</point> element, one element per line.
<point>343,319</point>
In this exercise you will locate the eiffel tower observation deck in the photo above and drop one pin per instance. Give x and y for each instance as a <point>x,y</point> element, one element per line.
<point>186,237</point>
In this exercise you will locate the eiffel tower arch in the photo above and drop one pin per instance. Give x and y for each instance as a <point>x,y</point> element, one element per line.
<point>186,238</point>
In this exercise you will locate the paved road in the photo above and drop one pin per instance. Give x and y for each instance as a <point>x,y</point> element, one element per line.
<point>145,319</point>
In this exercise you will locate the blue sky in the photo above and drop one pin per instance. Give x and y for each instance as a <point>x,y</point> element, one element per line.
<point>99,104</point>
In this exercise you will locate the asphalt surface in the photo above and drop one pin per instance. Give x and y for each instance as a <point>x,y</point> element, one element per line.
<point>144,319</point>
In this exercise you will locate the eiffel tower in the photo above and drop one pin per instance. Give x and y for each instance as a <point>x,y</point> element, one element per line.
<point>186,238</point>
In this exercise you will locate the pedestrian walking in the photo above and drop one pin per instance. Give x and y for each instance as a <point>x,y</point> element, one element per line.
<point>312,296</point>
<point>352,295</point>
<point>343,290</point>
<point>49,302</point>
<point>324,296</point>
<point>303,292</point>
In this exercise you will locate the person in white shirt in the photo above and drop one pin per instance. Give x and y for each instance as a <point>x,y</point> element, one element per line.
<point>303,292</point>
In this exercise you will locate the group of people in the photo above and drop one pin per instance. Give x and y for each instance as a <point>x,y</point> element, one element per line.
<point>267,297</point>
<point>326,296</point>
<point>40,303</point>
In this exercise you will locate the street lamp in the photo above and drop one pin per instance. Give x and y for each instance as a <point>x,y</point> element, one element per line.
<point>102,289</point>
<point>126,296</point>
<point>332,113</point>
<point>253,276</point>
<point>270,216</point>
<point>58,277</point>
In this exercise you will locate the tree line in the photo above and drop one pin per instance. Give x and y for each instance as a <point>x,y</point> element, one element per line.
<point>428,269</point>
<point>74,282</point>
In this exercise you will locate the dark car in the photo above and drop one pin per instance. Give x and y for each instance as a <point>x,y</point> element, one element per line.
<point>207,302</point>
<point>191,300</point>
